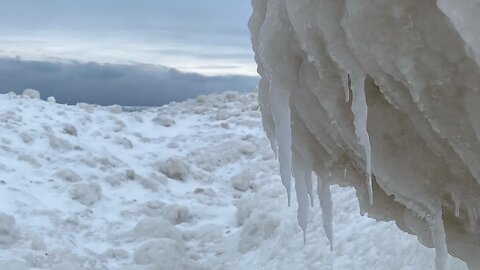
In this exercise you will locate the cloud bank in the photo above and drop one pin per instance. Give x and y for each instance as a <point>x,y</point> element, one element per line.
<point>106,84</point>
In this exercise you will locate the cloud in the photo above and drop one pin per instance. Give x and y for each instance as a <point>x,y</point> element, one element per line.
<point>105,84</point>
<point>183,34</point>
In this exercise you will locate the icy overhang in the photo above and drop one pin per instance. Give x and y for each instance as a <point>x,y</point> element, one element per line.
<point>382,96</point>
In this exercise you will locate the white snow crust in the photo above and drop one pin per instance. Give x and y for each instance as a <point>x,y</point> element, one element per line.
<point>382,96</point>
<point>73,198</point>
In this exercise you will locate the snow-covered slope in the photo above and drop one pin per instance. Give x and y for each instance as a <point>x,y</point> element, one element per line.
<point>192,185</point>
<point>382,96</point>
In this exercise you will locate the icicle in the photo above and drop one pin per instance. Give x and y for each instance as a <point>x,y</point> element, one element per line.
<point>456,201</point>
<point>437,231</point>
<point>302,193</point>
<point>360,113</point>
<point>345,173</point>
<point>325,197</point>
<point>457,209</point>
<point>346,86</point>
<point>281,116</point>
<point>308,180</point>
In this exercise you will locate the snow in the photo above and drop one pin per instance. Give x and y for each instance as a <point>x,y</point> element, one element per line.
<point>86,202</point>
<point>381,96</point>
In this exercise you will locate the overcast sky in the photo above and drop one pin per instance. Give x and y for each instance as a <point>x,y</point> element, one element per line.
<point>208,37</point>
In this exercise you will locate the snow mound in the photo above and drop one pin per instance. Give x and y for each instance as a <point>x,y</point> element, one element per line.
<point>381,96</point>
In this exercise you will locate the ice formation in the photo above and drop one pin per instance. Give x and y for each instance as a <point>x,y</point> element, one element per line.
<point>382,96</point>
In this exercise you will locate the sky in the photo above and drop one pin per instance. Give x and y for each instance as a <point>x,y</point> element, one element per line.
<point>206,39</point>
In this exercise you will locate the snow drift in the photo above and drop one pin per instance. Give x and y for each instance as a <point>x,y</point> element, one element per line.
<point>382,96</point>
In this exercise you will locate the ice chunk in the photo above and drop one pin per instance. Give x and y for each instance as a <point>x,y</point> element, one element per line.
<point>31,93</point>
<point>163,120</point>
<point>86,194</point>
<point>242,180</point>
<point>222,115</point>
<point>156,227</point>
<point>175,213</point>
<point>174,168</point>
<point>70,129</point>
<point>51,100</point>
<point>163,254</point>
<point>125,142</point>
<point>68,175</point>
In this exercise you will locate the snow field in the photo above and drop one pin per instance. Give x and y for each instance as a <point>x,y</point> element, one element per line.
<point>191,185</point>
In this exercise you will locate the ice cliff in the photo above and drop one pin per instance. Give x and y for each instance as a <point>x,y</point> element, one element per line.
<point>382,96</point>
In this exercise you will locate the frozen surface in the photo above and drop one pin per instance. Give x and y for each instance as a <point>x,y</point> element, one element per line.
<point>381,96</point>
<point>89,187</point>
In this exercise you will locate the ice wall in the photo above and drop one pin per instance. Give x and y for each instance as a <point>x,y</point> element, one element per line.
<point>383,96</point>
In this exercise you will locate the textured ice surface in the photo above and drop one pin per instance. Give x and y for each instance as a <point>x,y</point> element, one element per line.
<point>382,96</point>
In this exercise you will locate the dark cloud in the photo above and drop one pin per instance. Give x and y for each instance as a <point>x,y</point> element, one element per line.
<point>105,84</point>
